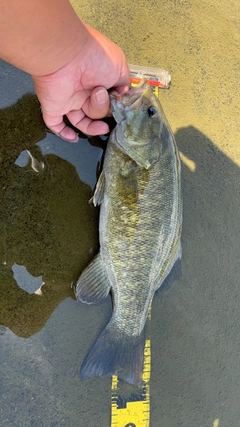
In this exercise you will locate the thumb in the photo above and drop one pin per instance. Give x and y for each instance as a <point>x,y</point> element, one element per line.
<point>98,105</point>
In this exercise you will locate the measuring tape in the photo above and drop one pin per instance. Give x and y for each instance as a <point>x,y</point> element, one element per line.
<point>134,413</point>
<point>155,90</point>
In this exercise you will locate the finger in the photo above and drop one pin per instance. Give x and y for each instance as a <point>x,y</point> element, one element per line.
<point>68,134</point>
<point>123,83</point>
<point>92,127</point>
<point>75,117</point>
<point>87,125</point>
<point>121,89</point>
<point>98,104</point>
<point>57,126</point>
<point>97,127</point>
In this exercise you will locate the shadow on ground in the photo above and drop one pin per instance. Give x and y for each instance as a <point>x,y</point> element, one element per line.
<point>195,321</point>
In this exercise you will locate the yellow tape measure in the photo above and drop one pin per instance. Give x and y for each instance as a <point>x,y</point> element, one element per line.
<point>156,91</point>
<point>135,413</point>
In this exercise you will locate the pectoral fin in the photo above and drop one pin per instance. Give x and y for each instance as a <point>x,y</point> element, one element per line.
<point>92,286</point>
<point>99,191</point>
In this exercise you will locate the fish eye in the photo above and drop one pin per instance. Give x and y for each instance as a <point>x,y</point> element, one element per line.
<point>152,111</point>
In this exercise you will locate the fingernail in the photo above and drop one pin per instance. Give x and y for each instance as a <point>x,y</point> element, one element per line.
<point>101,96</point>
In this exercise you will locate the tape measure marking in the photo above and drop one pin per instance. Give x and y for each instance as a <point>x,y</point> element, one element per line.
<point>135,413</point>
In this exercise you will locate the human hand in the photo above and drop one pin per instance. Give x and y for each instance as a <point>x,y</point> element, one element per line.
<point>79,89</point>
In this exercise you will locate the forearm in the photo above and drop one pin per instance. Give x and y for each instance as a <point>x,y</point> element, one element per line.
<point>40,36</point>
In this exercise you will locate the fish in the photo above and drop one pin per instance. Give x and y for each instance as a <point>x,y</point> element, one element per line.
<point>140,198</point>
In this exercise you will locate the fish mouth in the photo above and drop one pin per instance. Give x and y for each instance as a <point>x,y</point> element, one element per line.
<point>127,100</point>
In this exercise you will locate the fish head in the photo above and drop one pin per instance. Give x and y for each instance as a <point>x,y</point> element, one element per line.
<point>140,119</point>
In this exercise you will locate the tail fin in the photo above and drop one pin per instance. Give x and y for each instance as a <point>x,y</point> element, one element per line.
<point>115,353</point>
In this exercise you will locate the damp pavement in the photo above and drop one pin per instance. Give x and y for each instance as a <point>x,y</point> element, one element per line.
<point>49,232</point>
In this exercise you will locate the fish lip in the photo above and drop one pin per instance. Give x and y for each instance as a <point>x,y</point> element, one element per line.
<point>127,100</point>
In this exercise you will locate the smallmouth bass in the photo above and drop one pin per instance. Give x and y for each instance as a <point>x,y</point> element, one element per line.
<point>139,193</point>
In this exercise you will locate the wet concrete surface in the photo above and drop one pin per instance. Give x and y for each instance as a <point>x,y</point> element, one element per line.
<point>48,227</point>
